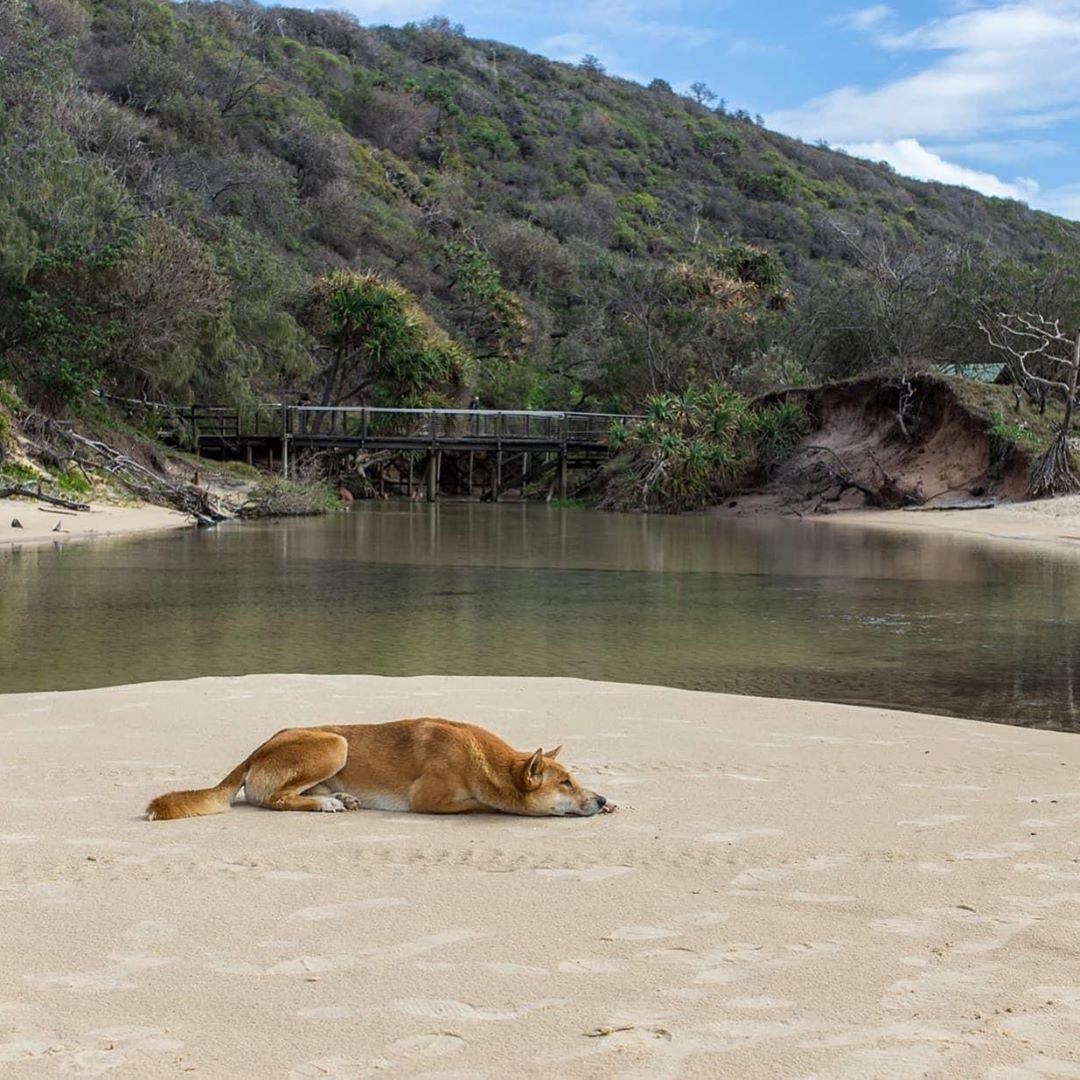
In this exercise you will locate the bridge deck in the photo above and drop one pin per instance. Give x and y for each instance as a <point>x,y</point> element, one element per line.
<point>503,445</point>
<point>404,429</point>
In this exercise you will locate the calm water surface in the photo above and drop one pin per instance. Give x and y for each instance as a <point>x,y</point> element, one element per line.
<point>783,608</point>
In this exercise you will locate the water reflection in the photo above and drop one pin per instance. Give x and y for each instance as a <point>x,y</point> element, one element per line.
<point>784,608</point>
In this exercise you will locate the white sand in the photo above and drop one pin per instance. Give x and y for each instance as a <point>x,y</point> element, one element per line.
<point>1054,522</point>
<point>789,890</point>
<point>99,521</point>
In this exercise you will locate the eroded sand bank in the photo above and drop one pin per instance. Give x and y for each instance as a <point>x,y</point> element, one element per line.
<point>789,889</point>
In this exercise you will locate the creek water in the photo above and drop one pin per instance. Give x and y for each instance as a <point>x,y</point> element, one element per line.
<point>784,608</point>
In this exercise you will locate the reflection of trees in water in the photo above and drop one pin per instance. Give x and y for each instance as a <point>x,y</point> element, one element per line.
<point>776,608</point>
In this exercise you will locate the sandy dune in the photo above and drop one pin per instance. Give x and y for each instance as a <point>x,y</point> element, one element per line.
<point>100,520</point>
<point>789,890</point>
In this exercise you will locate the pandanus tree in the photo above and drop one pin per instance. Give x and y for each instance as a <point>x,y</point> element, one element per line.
<point>378,342</point>
<point>1046,358</point>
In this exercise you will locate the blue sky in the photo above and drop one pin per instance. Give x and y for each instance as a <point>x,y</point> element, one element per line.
<point>985,94</point>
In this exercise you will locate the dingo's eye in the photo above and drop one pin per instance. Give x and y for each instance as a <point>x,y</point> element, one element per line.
<point>567,783</point>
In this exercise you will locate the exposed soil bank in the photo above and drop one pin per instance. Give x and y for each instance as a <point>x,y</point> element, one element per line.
<point>890,443</point>
<point>788,889</point>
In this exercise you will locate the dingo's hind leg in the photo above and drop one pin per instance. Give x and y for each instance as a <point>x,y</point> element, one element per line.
<point>292,763</point>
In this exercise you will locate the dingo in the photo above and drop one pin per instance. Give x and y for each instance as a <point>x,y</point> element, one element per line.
<point>427,765</point>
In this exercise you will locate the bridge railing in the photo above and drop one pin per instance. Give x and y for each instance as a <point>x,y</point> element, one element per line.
<point>273,419</point>
<point>438,425</point>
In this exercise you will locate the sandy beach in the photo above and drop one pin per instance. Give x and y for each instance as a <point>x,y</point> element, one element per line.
<point>788,889</point>
<point>1054,522</point>
<point>101,520</point>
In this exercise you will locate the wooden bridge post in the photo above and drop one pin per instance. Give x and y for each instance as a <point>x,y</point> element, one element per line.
<point>562,456</point>
<point>472,455</point>
<point>432,478</point>
<point>497,486</point>
<point>195,432</point>
<point>285,440</point>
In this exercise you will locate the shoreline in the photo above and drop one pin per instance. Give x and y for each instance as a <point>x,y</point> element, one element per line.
<point>788,888</point>
<point>1050,523</point>
<point>101,521</point>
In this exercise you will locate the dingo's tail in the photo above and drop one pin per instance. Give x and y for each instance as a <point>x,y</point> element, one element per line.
<point>214,800</point>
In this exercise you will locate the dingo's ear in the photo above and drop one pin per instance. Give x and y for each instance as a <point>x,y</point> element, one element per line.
<point>533,773</point>
<point>553,753</point>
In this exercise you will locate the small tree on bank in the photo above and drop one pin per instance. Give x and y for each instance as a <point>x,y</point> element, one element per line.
<point>1042,355</point>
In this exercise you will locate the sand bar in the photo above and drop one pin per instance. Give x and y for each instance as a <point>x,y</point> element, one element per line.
<point>789,889</point>
<point>1043,522</point>
<point>101,520</point>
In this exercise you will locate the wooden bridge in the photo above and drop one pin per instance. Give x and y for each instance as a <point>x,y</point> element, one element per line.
<point>442,449</point>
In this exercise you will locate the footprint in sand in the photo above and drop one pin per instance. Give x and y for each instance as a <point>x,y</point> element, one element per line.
<point>502,968</point>
<point>674,929</point>
<point>151,932</point>
<point>934,821</point>
<point>447,1010</point>
<point>297,965</point>
<point>435,1044</point>
<point>1038,1068</point>
<point>347,907</point>
<point>336,1068</point>
<point>406,950</point>
<point>737,836</point>
<point>641,933</point>
<point>758,1003</point>
<point>593,873</point>
<point>119,976</point>
<point>328,1012</point>
<point>591,965</point>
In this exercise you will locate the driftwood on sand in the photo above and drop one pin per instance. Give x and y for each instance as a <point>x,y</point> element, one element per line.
<point>142,482</point>
<point>33,491</point>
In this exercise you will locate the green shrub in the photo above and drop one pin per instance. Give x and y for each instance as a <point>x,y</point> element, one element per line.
<point>777,186</point>
<point>277,497</point>
<point>692,450</point>
<point>73,482</point>
<point>1015,432</point>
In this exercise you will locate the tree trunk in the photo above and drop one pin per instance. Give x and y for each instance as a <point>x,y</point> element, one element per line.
<point>1070,400</point>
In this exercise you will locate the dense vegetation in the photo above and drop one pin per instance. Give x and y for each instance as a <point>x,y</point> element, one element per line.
<point>692,450</point>
<point>224,201</point>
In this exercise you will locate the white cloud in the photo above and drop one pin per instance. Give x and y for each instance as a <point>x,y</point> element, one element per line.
<point>867,18</point>
<point>1010,66</point>
<point>1002,152</point>
<point>911,158</point>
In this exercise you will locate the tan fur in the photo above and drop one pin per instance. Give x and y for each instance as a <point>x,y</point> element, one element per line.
<point>427,765</point>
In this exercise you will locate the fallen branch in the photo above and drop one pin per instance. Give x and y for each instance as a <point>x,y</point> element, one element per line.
<point>32,491</point>
<point>142,482</point>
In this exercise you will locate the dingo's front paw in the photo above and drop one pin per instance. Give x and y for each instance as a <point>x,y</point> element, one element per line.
<point>350,802</point>
<point>331,805</point>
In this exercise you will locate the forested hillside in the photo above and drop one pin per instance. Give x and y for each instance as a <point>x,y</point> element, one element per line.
<point>226,200</point>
